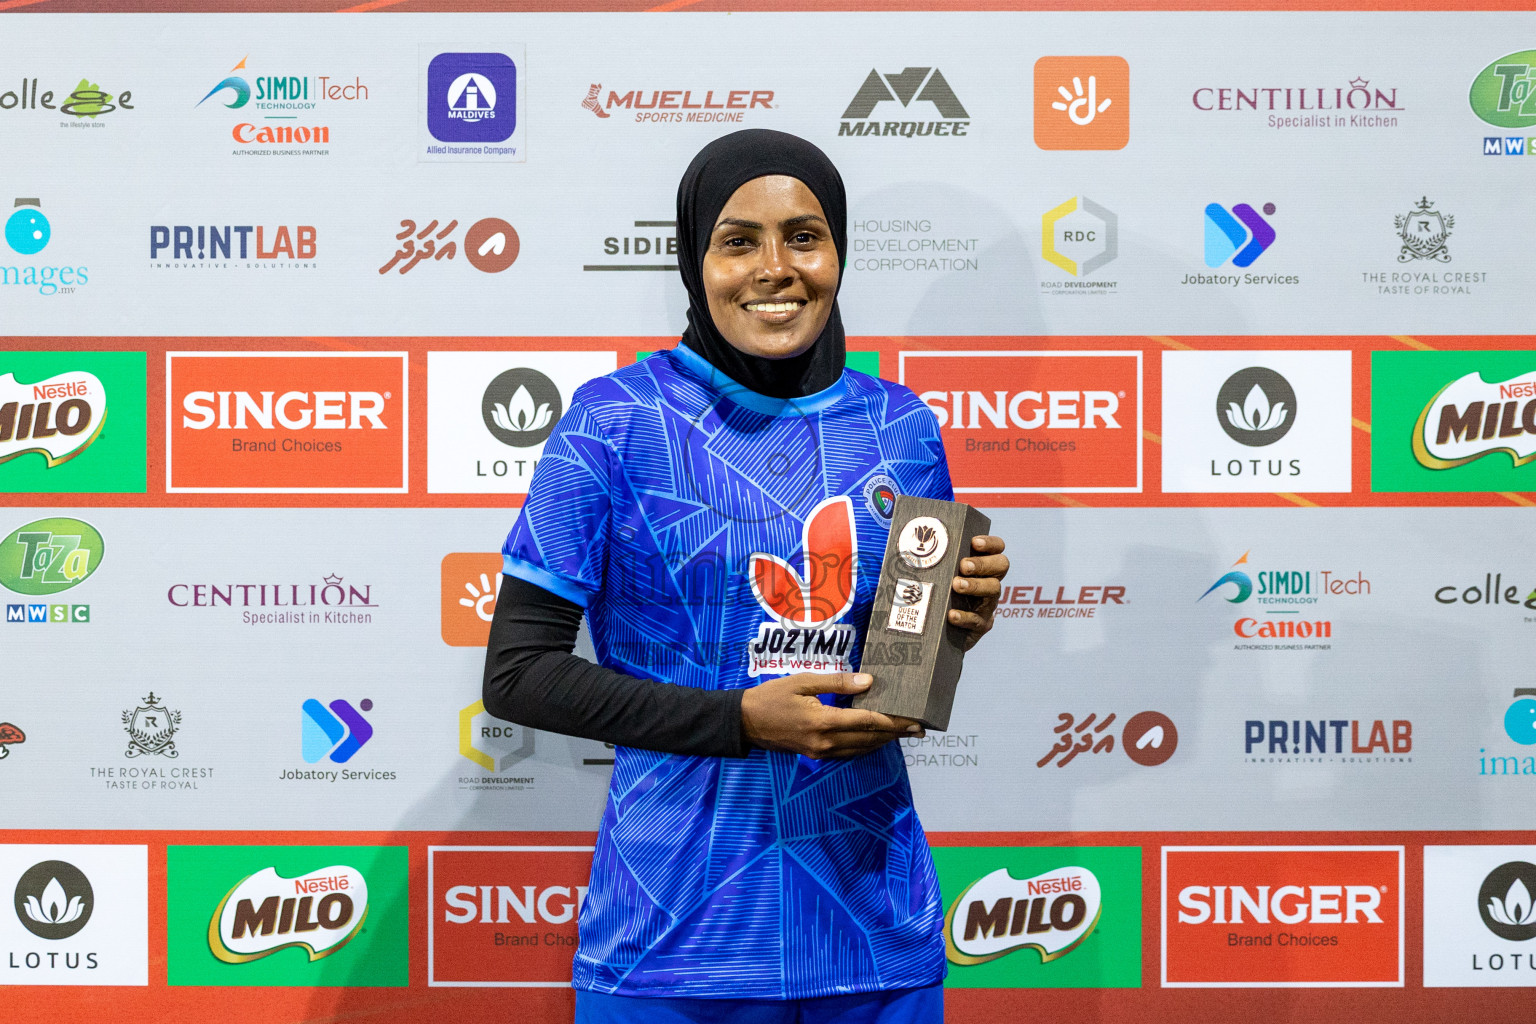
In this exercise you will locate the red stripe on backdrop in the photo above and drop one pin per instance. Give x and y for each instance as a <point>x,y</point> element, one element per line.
<point>609,6</point>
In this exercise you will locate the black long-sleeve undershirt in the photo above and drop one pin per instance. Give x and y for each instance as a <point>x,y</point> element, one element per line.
<point>533,678</point>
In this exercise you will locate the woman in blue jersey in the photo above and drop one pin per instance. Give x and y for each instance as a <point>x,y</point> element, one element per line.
<point>759,859</point>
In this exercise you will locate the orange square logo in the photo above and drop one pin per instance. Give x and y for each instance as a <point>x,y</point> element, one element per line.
<point>286,422</point>
<point>1082,102</point>
<point>471,582</point>
<point>1282,916</point>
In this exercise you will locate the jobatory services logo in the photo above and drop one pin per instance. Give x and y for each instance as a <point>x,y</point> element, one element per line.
<point>1041,918</point>
<point>281,114</point>
<point>1354,105</point>
<point>334,731</point>
<point>1239,236</point>
<point>1278,420</point>
<point>28,230</point>
<point>927,87</point>
<point>494,445</point>
<point>80,915</point>
<point>652,245</point>
<point>1504,95</point>
<point>287,915</point>
<point>1479,916</point>
<point>1080,237</point>
<point>233,247</point>
<point>1282,916</point>
<point>504,916</point>
<point>805,600</point>
<point>86,105</point>
<point>286,422</point>
<point>1353,741</point>
<point>1082,103</point>
<point>1283,599</point>
<point>53,422</point>
<point>471,582</point>
<point>491,245</point>
<point>151,728</point>
<point>1453,421</point>
<point>1149,738</point>
<point>677,106</point>
<point>1048,421</point>
<point>10,736</point>
<point>472,104</point>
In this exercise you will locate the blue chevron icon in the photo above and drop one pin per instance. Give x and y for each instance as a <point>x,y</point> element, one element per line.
<point>1241,235</point>
<point>339,730</point>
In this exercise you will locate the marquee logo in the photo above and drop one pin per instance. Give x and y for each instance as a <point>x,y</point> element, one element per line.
<point>319,912</point>
<point>1082,103</point>
<point>805,602</point>
<point>910,85</point>
<point>54,900</point>
<point>337,731</point>
<point>1284,917</point>
<point>1047,421</point>
<point>295,422</point>
<point>679,105</point>
<point>49,556</point>
<point>57,418</point>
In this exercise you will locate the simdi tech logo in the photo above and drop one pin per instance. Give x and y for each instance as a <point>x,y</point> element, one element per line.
<point>1453,421</point>
<point>471,105</point>
<point>55,408</point>
<point>28,230</point>
<point>75,915</point>
<point>287,915</point>
<point>504,916</point>
<point>1282,917</point>
<point>1504,95</point>
<point>1016,422</point>
<point>286,422</point>
<point>1479,916</point>
<point>284,113</point>
<point>1041,918</point>
<point>1082,103</point>
<point>866,112</point>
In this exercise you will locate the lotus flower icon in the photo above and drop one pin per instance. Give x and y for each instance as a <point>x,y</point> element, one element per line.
<point>926,538</point>
<point>55,908</point>
<point>519,415</point>
<point>1515,908</point>
<point>1257,414</point>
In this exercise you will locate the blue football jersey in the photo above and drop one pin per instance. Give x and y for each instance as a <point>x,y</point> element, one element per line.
<point>717,537</point>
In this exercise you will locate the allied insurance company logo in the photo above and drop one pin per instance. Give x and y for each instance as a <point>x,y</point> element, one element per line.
<point>1048,421</point>
<point>1479,916</point>
<point>85,104</point>
<point>286,105</point>
<point>1080,237</point>
<point>504,916</point>
<point>1282,916</point>
<point>470,106</point>
<point>491,245</point>
<point>925,86</point>
<point>667,106</point>
<point>287,422</point>
<point>1504,95</point>
<point>1082,103</point>
<point>27,233</point>
<point>1149,738</point>
<point>46,557</point>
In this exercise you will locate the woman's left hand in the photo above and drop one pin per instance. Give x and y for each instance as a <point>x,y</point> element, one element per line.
<point>980,577</point>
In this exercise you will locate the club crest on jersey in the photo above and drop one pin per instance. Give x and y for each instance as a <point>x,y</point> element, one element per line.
<point>806,602</point>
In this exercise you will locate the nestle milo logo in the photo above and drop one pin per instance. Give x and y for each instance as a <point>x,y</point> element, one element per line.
<point>50,555</point>
<point>1504,92</point>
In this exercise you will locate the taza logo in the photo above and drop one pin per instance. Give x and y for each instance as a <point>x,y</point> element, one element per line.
<point>263,913</point>
<point>54,899</point>
<point>50,555</point>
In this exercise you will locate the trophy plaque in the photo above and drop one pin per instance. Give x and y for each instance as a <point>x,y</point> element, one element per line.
<point>910,648</point>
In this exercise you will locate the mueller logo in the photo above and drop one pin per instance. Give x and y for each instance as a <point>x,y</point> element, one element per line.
<point>57,418</point>
<point>669,105</point>
<point>319,912</point>
<point>1303,916</point>
<point>1292,737</point>
<point>911,85</point>
<point>1067,602</point>
<point>1051,913</point>
<point>1046,421</point>
<point>287,422</point>
<point>1471,418</point>
<point>214,245</point>
<point>805,602</point>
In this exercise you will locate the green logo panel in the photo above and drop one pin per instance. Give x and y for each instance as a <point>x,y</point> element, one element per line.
<point>328,916</point>
<point>1090,894</point>
<point>1406,386</point>
<point>863,362</point>
<point>50,555</point>
<point>90,438</point>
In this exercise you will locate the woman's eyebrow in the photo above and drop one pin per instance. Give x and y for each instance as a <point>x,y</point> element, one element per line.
<point>804,218</point>
<point>734,222</point>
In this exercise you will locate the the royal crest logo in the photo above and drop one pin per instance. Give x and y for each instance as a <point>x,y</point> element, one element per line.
<point>1423,231</point>
<point>806,603</point>
<point>263,913</point>
<point>1051,913</point>
<point>151,727</point>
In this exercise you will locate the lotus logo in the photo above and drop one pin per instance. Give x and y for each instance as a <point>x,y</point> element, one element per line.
<point>54,899</point>
<point>56,908</point>
<point>1256,406</point>
<point>519,415</point>
<point>1504,901</point>
<point>521,407</point>
<point>922,542</point>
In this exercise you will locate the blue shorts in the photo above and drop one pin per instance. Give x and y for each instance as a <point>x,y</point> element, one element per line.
<point>899,1006</point>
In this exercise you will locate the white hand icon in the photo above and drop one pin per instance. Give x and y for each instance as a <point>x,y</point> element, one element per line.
<point>1082,109</point>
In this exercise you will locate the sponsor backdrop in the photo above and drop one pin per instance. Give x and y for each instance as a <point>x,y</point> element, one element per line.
<point>1230,342</point>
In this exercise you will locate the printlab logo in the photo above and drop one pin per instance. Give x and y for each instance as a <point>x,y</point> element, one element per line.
<point>521,407</point>
<point>54,900</point>
<point>1241,235</point>
<point>338,731</point>
<point>10,735</point>
<point>151,729</point>
<point>279,101</point>
<point>491,245</point>
<point>679,105</point>
<point>910,85</point>
<point>804,634</point>
<point>1256,406</point>
<point>87,102</point>
<point>1082,102</point>
<point>1504,95</point>
<point>214,246</point>
<point>1306,741</point>
<point>27,233</point>
<point>1149,738</point>
<point>634,245</point>
<point>1079,236</point>
<point>1423,231</point>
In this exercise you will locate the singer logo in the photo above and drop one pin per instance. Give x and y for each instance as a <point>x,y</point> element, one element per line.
<point>1022,422</point>
<point>805,636</point>
<point>504,916</point>
<point>296,422</point>
<point>1298,917</point>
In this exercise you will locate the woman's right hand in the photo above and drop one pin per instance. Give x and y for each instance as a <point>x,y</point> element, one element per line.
<point>785,714</point>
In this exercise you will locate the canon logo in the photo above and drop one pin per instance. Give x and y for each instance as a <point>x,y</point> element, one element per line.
<point>1027,410</point>
<point>1286,904</point>
<point>553,904</point>
<point>293,410</point>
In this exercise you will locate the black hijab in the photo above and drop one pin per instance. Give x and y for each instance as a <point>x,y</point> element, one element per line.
<point>712,178</point>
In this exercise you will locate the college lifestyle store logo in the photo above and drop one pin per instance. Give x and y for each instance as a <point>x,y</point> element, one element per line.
<point>1282,916</point>
<point>1080,237</point>
<point>286,422</point>
<point>1479,916</point>
<point>1149,738</point>
<point>1504,95</point>
<point>1047,422</point>
<point>504,916</point>
<point>1340,107</point>
<point>665,106</point>
<point>471,102</point>
<point>491,245</point>
<point>1082,103</point>
<point>286,105</point>
<point>79,915</point>
<point>805,601</point>
<point>910,85</point>
<point>85,104</point>
<point>27,233</point>
<point>151,728</point>
<point>222,247</point>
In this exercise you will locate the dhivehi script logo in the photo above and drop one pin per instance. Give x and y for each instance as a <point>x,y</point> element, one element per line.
<point>319,912</point>
<point>1052,912</point>
<point>57,418</point>
<point>1471,417</point>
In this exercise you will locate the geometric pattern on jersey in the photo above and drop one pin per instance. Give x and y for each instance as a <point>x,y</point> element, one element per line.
<point>771,876</point>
